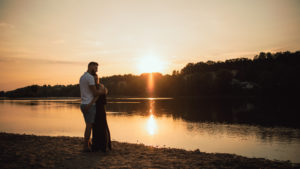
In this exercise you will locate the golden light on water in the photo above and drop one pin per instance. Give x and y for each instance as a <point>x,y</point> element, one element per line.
<point>151,122</point>
<point>58,118</point>
<point>151,125</point>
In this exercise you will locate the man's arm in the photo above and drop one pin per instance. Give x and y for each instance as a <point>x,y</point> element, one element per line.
<point>97,92</point>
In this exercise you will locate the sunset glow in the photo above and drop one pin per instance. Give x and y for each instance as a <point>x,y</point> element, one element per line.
<point>51,42</point>
<point>150,85</point>
<point>150,63</point>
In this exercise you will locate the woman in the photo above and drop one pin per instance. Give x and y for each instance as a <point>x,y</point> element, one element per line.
<point>101,135</point>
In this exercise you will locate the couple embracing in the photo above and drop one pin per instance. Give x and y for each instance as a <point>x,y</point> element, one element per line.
<point>93,100</point>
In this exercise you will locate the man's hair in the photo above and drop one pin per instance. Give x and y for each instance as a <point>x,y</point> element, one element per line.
<point>92,64</point>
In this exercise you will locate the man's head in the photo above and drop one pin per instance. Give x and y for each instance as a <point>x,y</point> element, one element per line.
<point>93,68</point>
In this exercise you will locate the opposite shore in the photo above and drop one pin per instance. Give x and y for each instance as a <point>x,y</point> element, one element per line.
<point>30,151</point>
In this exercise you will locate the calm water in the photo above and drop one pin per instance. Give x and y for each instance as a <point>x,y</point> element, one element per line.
<point>241,127</point>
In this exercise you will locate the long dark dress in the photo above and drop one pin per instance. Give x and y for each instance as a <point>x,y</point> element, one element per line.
<point>101,135</point>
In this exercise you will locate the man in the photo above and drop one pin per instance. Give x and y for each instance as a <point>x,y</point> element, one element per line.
<point>88,91</point>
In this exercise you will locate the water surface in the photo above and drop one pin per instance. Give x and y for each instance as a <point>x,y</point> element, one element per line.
<point>208,125</point>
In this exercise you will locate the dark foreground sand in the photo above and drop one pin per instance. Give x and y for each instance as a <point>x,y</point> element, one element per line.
<point>29,151</point>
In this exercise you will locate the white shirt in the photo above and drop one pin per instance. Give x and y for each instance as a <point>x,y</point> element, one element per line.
<point>86,93</point>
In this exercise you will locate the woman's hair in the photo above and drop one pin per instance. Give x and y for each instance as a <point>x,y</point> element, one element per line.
<point>96,80</point>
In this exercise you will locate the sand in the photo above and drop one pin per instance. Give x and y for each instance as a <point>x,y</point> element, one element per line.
<point>30,151</point>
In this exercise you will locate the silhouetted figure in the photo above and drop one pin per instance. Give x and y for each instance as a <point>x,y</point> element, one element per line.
<point>101,135</point>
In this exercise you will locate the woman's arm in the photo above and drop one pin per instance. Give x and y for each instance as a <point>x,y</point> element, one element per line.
<point>105,89</point>
<point>95,98</point>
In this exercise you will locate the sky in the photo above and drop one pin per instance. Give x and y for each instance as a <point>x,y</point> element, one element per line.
<point>52,41</point>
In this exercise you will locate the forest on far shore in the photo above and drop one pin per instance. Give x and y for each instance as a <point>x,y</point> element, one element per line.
<point>267,74</point>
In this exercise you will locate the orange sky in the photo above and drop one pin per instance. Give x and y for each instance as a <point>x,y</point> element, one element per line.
<point>51,41</point>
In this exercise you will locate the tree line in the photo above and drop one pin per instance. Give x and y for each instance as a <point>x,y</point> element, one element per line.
<point>265,74</point>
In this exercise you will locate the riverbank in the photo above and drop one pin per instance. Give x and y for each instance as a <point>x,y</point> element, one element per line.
<point>30,151</point>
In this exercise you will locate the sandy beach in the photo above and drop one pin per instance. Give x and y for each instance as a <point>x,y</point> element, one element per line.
<point>30,151</point>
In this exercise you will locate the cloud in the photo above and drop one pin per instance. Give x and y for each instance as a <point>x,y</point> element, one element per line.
<point>58,41</point>
<point>93,43</point>
<point>42,61</point>
<point>6,25</point>
<point>102,52</point>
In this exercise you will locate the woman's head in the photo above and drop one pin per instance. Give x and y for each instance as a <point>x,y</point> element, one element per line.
<point>96,79</point>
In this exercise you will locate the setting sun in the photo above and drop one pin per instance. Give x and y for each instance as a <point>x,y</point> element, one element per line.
<point>150,63</point>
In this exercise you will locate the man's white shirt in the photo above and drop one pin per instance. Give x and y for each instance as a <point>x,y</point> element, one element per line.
<point>86,94</point>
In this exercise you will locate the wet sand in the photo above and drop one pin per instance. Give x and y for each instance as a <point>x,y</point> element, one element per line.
<point>30,151</point>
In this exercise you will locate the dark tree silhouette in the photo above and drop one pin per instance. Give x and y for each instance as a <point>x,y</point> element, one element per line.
<point>266,74</point>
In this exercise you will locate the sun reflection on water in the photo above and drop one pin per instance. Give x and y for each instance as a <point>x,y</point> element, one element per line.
<point>151,122</point>
<point>151,125</point>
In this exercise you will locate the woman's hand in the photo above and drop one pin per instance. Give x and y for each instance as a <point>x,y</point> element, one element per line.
<point>106,90</point>
<point>103,88</point>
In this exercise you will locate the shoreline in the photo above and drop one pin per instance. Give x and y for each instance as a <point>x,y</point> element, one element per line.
<point>31,151</point>
<point>147,97</point>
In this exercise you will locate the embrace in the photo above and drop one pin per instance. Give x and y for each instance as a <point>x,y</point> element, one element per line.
<point>93,101</point>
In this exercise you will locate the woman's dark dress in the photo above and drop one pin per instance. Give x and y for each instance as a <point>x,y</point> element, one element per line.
<point>101,135</point>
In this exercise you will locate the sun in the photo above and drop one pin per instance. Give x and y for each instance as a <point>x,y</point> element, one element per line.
<point>150,63</point>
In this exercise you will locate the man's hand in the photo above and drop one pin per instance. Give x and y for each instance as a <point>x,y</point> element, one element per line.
<point>86,109</point>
